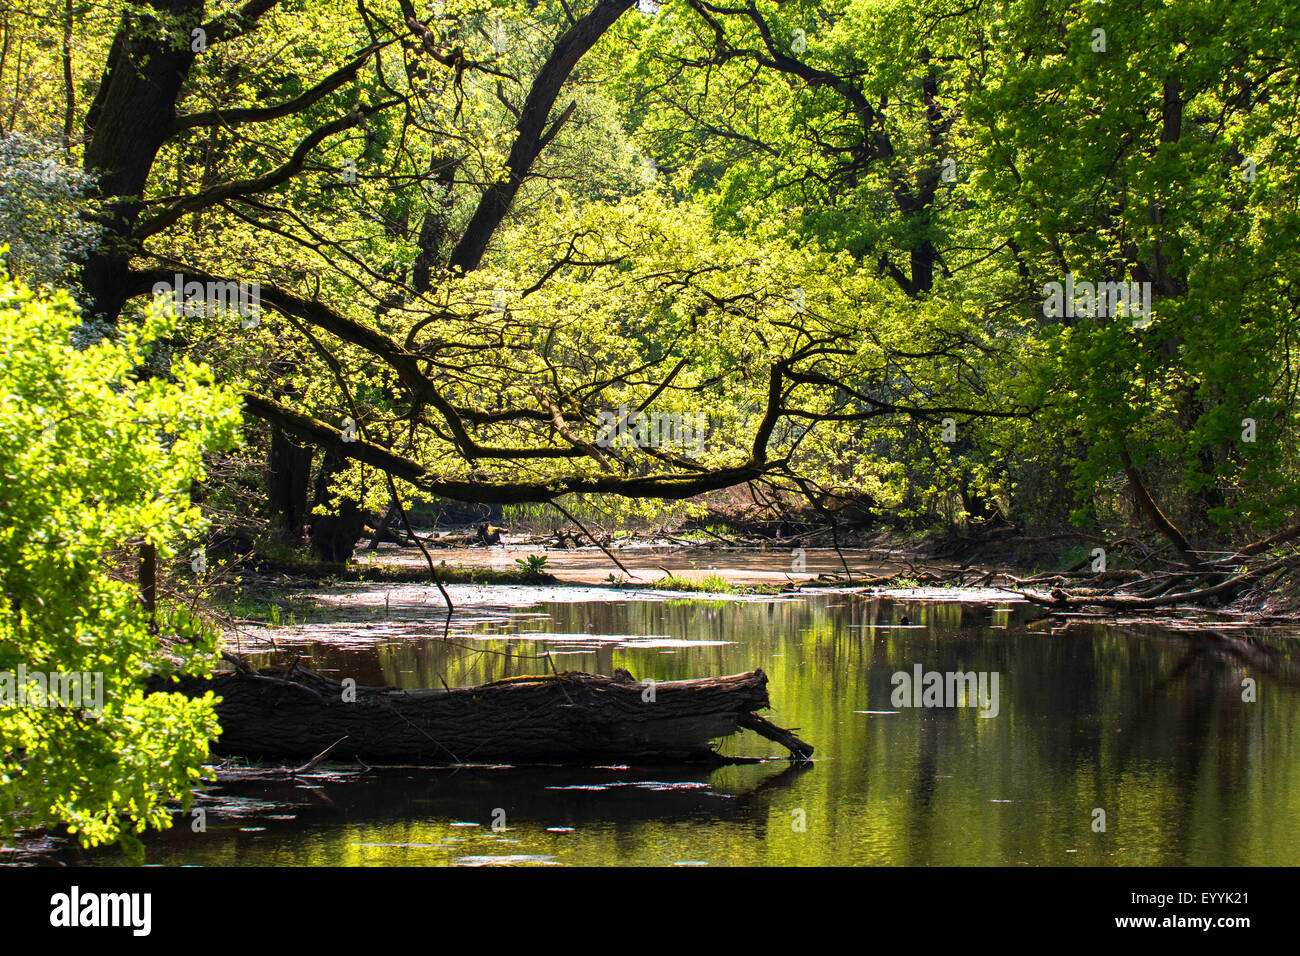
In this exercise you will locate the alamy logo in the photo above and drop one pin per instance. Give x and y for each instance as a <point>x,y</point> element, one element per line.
<point>75,690</point>
<point>949,689</point>
<point>74,909</point>
<point>656,430</point>
<point>1102,299</point>
<point>211,298</point>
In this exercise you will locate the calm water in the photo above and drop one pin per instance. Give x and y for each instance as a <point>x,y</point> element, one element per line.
<point>1147,725</point>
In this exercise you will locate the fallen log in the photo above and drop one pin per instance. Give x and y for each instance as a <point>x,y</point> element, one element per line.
<point>568,717</point>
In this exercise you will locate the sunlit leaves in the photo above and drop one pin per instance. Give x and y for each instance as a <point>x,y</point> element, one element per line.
<point>94,460</point>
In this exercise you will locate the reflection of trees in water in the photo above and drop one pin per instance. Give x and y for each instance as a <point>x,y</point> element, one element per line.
<point>1144,722</point>
<point>1198,710</point>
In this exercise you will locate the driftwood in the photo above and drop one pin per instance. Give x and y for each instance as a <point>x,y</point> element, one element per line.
<point>1212,580</point>
<point>1221,590</point>
<point>569,717</point>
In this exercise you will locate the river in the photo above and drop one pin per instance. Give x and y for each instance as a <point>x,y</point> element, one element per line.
<point>1112,743</point>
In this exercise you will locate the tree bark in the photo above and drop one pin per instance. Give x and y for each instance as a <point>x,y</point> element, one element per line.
<point>381,529</point>
<point>532,131</point>
<point>149,577</point>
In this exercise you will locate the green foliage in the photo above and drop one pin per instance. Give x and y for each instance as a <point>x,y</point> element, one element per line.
<point>1197,196</point>
<point>710,583</point>
<point>533,567</point>
<point>95,460</point>
<point>1019,150</point>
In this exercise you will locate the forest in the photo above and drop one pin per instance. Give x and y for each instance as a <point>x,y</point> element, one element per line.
<point>280,276</point>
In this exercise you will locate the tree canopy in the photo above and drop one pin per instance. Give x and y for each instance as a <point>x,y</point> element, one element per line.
<point>831,225</point>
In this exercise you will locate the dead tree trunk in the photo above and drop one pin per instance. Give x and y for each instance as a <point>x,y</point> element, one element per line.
<point>569,717</point>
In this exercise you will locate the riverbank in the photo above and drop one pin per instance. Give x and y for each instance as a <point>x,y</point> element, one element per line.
<point>1016,568</point>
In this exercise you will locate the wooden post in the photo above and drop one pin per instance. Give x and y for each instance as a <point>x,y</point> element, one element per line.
<point>149,578</point>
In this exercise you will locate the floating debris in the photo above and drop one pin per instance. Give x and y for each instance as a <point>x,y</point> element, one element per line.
<point>512,860</point>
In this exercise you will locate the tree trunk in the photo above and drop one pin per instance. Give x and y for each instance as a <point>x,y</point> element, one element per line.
<point>1153,512</point>
<point>288,474</point>
<point>334,535</point>
<point>382,529</point>
<point>127,122</point>
<point>568,717</point>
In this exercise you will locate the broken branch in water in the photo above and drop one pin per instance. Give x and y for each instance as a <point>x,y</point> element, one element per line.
<point>1059,599</point>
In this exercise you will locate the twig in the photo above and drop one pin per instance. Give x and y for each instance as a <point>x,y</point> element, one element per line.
<point>561,509</point>
<point>392,486</point>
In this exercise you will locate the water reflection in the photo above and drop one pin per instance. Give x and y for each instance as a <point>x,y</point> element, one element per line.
<point>1148,725</point>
